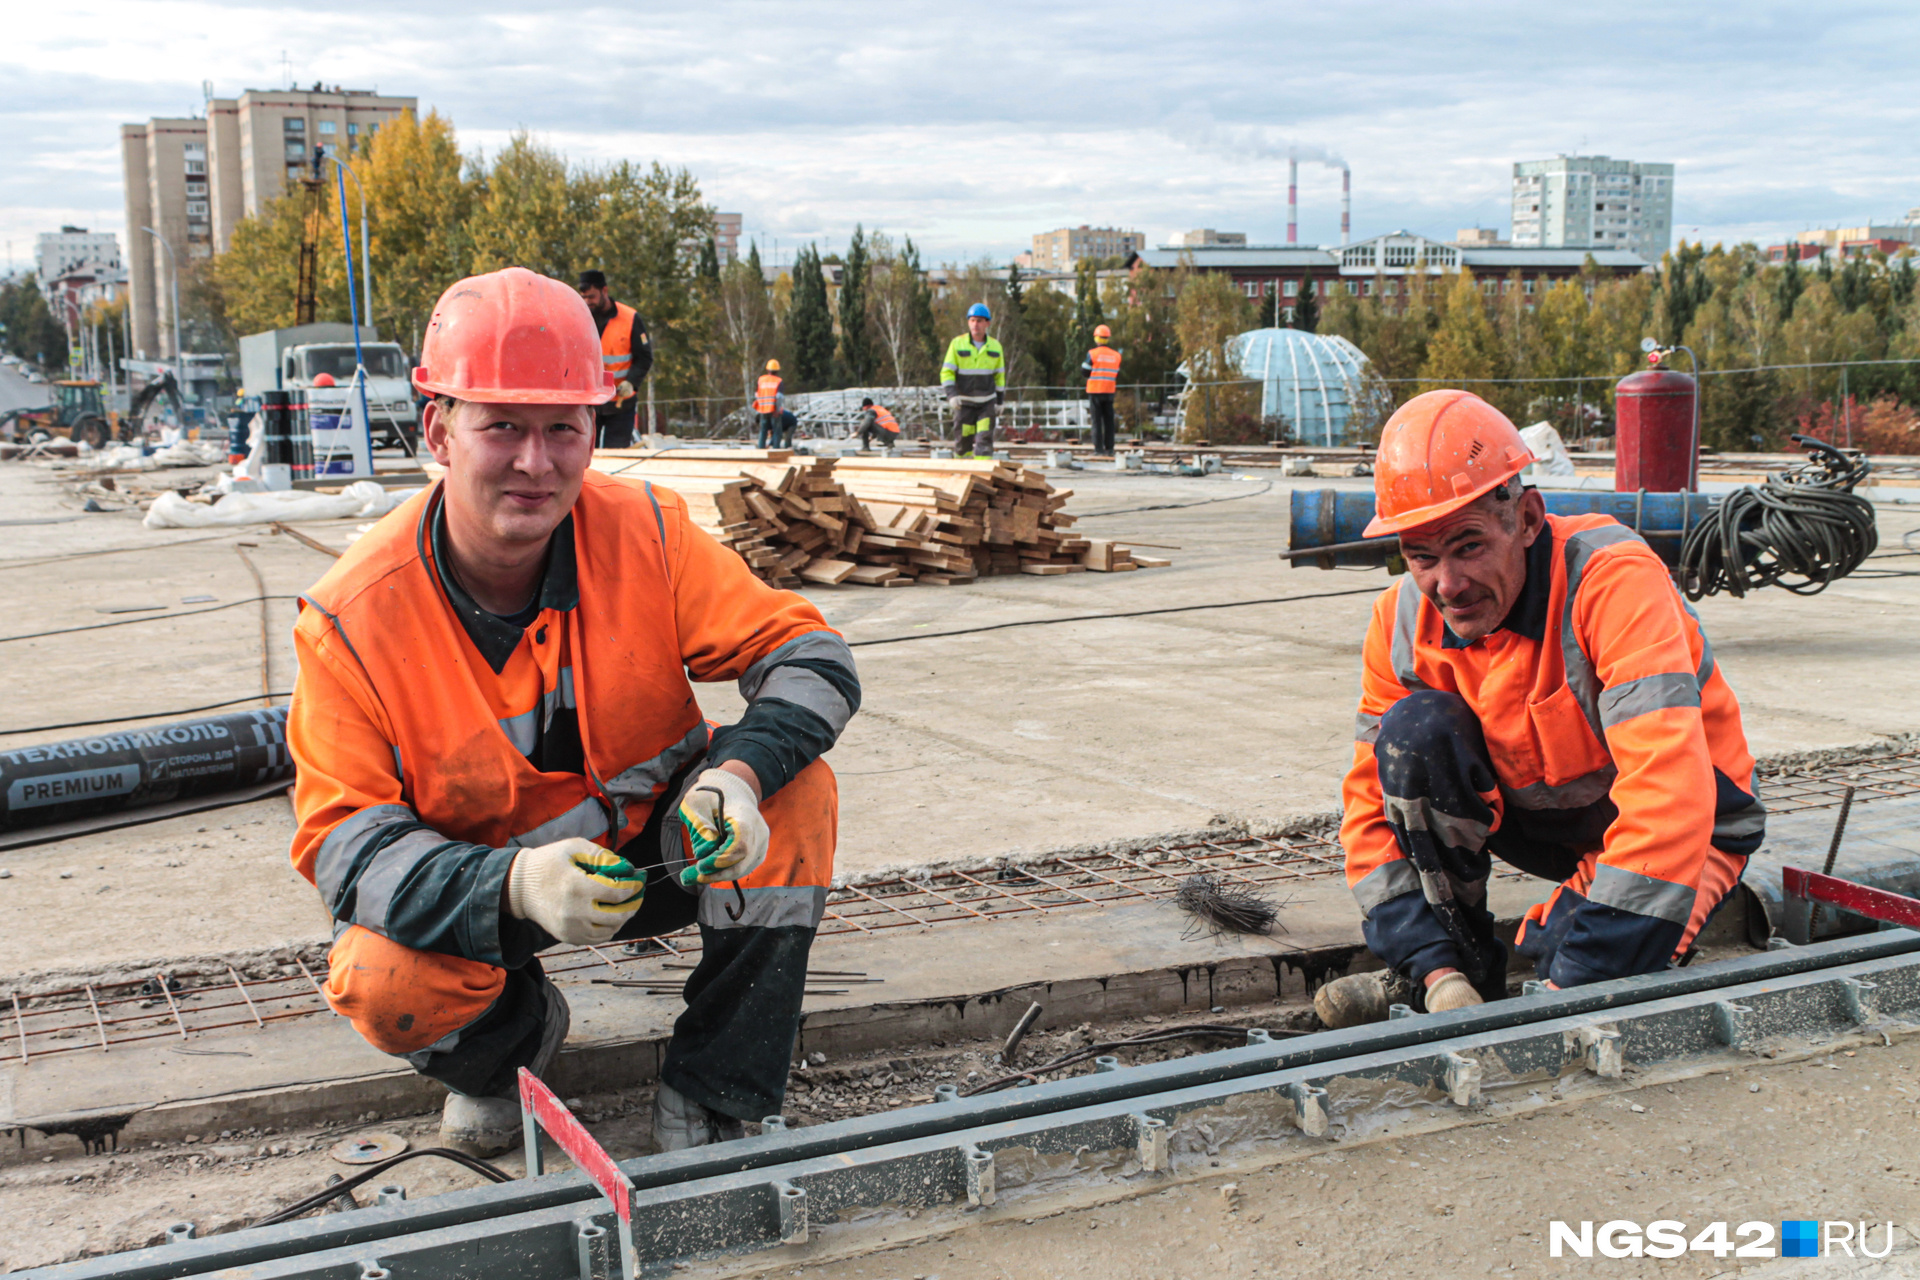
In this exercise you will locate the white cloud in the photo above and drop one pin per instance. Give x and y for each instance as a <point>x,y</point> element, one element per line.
<point>971,128</point>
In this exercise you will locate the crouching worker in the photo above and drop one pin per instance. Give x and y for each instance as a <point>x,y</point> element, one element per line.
<point>499,750</point>
<point>1534,688</point>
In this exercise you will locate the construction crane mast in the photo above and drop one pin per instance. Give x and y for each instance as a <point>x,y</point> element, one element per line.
<point>312,224</point>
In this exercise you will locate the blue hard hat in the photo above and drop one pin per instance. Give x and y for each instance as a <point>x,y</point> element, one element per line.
<point>979,309</point>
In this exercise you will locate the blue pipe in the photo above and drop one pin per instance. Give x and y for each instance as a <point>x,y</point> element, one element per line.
<point>1325,517</point>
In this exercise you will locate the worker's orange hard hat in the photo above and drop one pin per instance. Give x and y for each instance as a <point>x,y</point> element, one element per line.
<point>773,366</point>
<point>1101,333</point>
<point>513,337</point>
<point>323,380</point>
<point>1439,452</point>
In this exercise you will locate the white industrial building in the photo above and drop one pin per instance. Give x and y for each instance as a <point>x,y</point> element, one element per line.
<point>1593,202</point>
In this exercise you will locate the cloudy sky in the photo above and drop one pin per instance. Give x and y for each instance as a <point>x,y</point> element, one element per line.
<point>970,127</point>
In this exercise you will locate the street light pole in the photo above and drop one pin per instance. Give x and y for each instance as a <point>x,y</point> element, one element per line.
<point>173,268</point>
<point>366,259</point>
<point>359,356</point>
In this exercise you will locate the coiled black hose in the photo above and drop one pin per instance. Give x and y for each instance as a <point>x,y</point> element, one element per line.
<point>1804,524</point>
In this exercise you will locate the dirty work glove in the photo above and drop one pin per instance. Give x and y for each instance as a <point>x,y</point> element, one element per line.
<point>574,889</point>
<point>622,391</point>
<point>726,831</point>
<point>1452,992</point>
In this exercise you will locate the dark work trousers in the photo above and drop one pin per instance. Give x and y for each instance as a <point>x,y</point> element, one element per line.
<point>1439,788</point>
<point>615,430</point>
<point>887,439</point>
<point>733,1044</point>
<point>1101,409</point>
<point>973,429</point>
<point>769,430</point>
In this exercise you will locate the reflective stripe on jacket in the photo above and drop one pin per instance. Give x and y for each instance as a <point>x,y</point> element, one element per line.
<point>1619,699</point>
<point>1103,366</point>
<point>616,342</point>
<point>413,791</point>
<point>884,419</point>
<point>766,394</point>
<point>976,375</point>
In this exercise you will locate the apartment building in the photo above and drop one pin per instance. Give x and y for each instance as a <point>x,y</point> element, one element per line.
<point>164,162</point>
<point>1059,250</point>
<point>1593,202</point>
<point>266,139</point>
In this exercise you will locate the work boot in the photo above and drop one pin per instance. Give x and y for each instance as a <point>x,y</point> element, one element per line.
<point>489,1125</point>
<point>1360,998</point>
<point>679,1122</point>
<point>480,1126</point>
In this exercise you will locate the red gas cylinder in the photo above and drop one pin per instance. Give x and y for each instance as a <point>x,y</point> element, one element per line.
<point>1653,442</point>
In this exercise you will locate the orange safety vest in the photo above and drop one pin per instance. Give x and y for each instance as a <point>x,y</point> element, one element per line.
<point>766,393</point>
<point>1620,699</point>
<point>885,419</point>
<point>616,342</point>
<point>1106,371</point>
<point>397,714</point>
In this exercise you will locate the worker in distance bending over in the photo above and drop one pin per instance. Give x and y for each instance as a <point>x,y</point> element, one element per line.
<point>1102,367</point>
<point>1533,688</point>
<point>625,352</point>
<point>974,376</point>
<point>499,749</point>
<point>768,403</point>
<point>877,423</point>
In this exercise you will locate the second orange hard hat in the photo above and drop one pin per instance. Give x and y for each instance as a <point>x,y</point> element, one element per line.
<point>513,337</point>
<point>1439,452</point>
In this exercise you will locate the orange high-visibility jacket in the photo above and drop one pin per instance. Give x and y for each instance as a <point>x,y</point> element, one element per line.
<point>885,420</point>
<point>1621,698</point>
<point>411,746</point>
<point>766,393</point>
<point>616,342</point>
<point>1103,364</point>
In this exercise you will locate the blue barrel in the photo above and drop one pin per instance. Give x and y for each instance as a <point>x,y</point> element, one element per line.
<point>1326,517</point>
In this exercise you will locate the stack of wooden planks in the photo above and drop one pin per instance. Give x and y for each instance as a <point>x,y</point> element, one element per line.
<point>876,521</point>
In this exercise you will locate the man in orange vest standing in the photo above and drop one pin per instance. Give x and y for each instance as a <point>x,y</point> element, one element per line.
<point>1533,688</point>
<point>767,404</point>
<point>498,748</point>
<point>625,352</point>
<point>1102,367</point>
<point>877,422</point>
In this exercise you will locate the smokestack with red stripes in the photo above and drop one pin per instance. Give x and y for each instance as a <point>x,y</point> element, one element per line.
<point>1293,198</point>
<point>1346,203</point>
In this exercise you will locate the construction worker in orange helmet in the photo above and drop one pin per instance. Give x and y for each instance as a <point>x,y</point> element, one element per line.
<point>768,403</point>
<point>625,352</point>
<point>498,748</point>
<point>1533,688</point>
<point>1102,367</point>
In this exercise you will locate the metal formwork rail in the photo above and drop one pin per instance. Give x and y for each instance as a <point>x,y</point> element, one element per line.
<point>1122,1127</point>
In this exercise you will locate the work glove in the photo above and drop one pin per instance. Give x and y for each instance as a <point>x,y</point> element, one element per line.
<point>724,827</point>
<point>1452,992</point>
<point>574,889</point>
<point>622,391</point>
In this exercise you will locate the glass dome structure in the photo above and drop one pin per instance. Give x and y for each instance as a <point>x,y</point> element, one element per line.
<point>1310,379</point>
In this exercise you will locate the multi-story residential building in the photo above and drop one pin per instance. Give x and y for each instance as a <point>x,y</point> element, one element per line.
<point>165,164</point>
<point>83,260</point>
<point>267,138</point>
<point>726,236</point>
<point>1206,238</point>
<point>1379,267</point>
<point>1581,202</point>
<point>1060,250</point>
<point>192,181</point>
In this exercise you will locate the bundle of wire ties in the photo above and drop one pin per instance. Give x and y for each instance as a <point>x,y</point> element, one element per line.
<point>1805,523</point>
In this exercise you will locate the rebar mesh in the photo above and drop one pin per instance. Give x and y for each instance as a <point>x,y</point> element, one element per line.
<point>102,1016</point>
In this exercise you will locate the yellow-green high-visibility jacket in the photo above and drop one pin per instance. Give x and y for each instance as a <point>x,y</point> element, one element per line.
<point>977,375</point>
